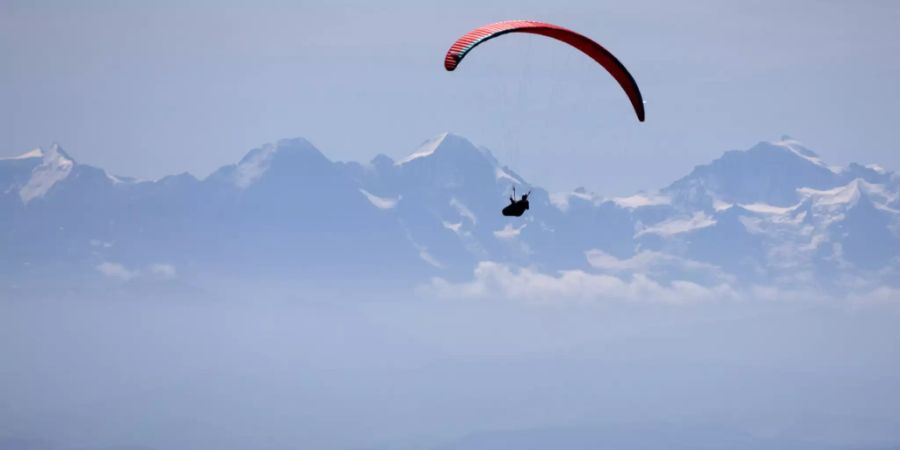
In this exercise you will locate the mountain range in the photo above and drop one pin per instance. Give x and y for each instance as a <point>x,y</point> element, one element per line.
<point>772,215</point>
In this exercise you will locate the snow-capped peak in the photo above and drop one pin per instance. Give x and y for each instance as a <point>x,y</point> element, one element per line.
<point>562,200</point>
<point>502,174</point>
<point>253,166</point>
<point>438,144</point>
<point>876,168</point>
<point>258,161</point>
<point>55,167</point>
<point>795,147</point>
<point>427,148</point>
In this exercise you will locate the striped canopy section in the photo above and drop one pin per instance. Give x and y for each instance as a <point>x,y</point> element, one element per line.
<point>472,39</point>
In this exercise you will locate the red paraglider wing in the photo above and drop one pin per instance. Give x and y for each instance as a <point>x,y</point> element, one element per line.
<point>470,40</point>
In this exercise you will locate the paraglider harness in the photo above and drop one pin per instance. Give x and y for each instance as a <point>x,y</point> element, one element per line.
<point>516,207</point>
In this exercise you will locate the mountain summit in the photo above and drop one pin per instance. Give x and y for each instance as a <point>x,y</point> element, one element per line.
<point>297,156</point>
<point>769,172</point>
<point>54,166</point>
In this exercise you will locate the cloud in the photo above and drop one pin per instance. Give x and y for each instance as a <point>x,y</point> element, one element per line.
<point>882,295</point>
<point>647,278</point>
<point>165,271</point>
<point>99,243</point>
<point>119,271</point>
<point>493,280</point>
<point>659,265</point>
<point>425,256</point>
<point>454,227</point>
<point>509,231</point>
<point>114,270</point>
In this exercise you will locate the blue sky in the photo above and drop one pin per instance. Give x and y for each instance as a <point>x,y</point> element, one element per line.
<point>148,90</point>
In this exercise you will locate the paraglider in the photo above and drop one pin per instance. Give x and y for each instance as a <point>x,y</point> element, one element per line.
<point>589,47</point>
<point>476,37</point>
<point>516,207</point>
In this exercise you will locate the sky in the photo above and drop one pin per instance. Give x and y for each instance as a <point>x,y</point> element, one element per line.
<point>148,90</point>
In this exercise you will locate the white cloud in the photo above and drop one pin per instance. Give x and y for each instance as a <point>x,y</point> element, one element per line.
<point>659,265</point>
<point>719,205</point>
<point>602,260</point>
<point>425,256</point>
<point>648,278</point>
<point>35,153</point>
<point>883,295</point>
<point>454,227</point>
<point>494,280</point>
<point>509,231</point>
<point>115,270</point>
<point>99,243</point>
<point>166,271</point>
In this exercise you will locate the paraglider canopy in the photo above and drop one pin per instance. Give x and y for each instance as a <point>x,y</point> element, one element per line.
<point>470,40</point>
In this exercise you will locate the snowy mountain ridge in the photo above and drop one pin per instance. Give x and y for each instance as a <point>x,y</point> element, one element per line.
<point>775,213</point>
